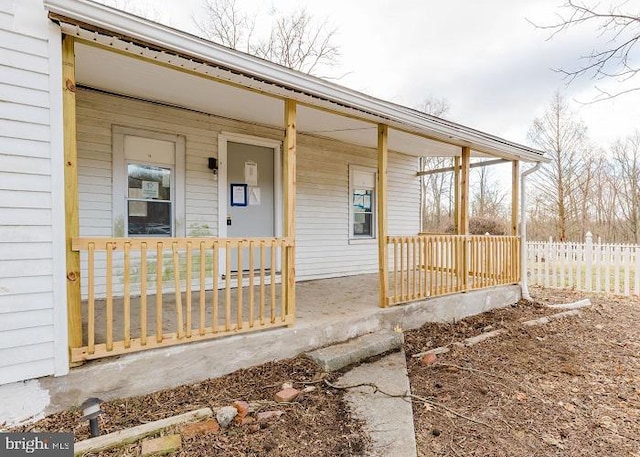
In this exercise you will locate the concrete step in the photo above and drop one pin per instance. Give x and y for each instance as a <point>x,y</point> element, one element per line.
<point>332,358</point>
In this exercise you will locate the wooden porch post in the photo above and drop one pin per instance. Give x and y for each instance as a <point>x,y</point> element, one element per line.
<point>289,165</point>
<point>456,194</point>
<point>74,310</point>
<point>464,217</point>
<point>383,138</point>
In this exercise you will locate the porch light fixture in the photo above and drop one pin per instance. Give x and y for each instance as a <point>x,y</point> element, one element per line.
<point>91,410</point>
<point>213,165</point>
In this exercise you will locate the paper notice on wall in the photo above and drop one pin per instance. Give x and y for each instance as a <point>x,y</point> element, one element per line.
<point>150,189</point>
<point>251,173</point>
<point>254,195</point>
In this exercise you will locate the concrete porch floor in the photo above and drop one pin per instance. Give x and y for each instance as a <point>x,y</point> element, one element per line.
<point>329,311</point>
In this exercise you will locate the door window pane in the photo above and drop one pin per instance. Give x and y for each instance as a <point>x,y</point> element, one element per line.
<point>149,205</point>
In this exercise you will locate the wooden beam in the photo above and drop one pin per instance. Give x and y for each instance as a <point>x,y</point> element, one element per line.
<point>515,192</point>
<point>74,310</point>
<point>484,163</point>
<point>289,165</point>
<point>464,191</point>
<point>383,153</point>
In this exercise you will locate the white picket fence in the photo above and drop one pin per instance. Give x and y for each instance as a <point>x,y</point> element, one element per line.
<point>589,266</point>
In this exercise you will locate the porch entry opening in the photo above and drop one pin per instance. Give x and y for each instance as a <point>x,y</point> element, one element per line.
<point>251,200</point>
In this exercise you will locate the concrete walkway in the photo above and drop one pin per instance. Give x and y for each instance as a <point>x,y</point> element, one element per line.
<point>389,420</point>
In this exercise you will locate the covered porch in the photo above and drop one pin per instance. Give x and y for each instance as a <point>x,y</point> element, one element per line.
<point>129,292</point>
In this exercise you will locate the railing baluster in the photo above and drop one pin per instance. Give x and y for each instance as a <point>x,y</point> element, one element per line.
<point>251,282</point>
<point>262,282</point>
<point>395,271</point>
<point>91,302</point>
<point>143,294</point>
<point>420,269</point>
<point>203,293</point>
<point>109,297</point>
<point>159,261</point>
<point>441,263</point>
<point>227,279</point>
<point>215,253</point>
<point>239,286</point>
<point>273,281</point>
<point>413,267</point>
<point>425,265</point>
<point>178,293</point>
<point>188,288</point>
<point>127,295</point>
<point>401,268</point>
<point>283,283</point>
<point>407,296</point>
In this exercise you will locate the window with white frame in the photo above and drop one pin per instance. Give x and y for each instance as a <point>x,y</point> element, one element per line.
<point>362,204</point>
<point>148,183</point>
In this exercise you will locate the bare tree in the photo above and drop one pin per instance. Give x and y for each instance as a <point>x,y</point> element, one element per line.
<point>295,40</point>
<point>487,198</point>
<point>436,189</point>
<point>626,162</point>
<point>224,23</point>
<point>618,28</point>
<point>435,106</point>
<point>563,137</point>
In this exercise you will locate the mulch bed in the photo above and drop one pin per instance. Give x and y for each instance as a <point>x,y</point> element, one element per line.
<point>568,388</point>
<point>317,423</point>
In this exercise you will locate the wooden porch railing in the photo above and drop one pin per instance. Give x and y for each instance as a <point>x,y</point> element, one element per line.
<point>143,293</point>
<point>430,265</point>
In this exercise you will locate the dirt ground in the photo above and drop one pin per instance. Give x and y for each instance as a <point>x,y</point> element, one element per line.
<point>568,388</point>
<point>316,423</point>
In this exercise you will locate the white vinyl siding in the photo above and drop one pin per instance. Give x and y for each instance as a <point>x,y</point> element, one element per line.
<point>323,248</point>
<point>27,290</point>
<point>322,181</point>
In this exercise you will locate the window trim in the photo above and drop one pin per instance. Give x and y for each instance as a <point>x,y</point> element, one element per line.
<point>120,178</point>
<point>355,239</point>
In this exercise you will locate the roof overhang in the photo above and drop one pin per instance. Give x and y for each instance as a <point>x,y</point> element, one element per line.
<point>109,28</point>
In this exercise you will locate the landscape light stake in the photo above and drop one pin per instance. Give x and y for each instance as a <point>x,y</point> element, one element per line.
<point>91,410</point>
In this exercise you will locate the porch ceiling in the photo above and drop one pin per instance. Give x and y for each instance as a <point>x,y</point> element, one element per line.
<point>118,73</point>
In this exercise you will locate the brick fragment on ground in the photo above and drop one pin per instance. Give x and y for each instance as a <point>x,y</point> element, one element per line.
<point>200,428</point>
<point>287,395</point>
<point>269,415</point>
<point>162,445</point>
<point>242,407</point>
<point>428,359</point>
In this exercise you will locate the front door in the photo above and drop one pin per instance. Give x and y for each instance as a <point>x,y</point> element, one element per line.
<point>251,200</point>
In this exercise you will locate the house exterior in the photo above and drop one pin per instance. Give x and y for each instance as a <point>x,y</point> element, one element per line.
<point>159,189</point>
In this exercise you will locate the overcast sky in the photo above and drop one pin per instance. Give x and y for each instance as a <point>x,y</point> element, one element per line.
<point>484,57</point>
